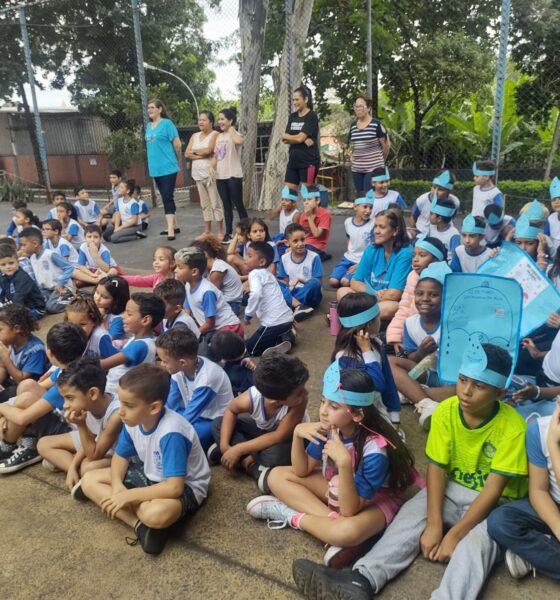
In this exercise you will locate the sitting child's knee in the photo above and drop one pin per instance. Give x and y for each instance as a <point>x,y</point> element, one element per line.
<point>334,283</point>
<point>27,385</point>
<point>154,514</point>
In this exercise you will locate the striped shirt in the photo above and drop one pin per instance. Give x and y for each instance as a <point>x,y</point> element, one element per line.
<point>368,154</point>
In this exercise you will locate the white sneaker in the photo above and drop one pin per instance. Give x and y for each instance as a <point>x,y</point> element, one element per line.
<point>426,408</point>
<point>282,347</point>
<point>278,514</point>
<point>47,464</point>
<point>518,567</point>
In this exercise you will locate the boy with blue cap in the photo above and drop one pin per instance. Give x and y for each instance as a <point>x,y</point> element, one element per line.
<point>381,196</point>
<point>477,458</point>
<point>485,191</point>
<point>473,251</point>
<point>359,231</point>
<point>441,189</point>
<point>288,213</point>
<point>554,217</point>
<point>316,221</point>
<point>441,227</point>
<point>498,225</point>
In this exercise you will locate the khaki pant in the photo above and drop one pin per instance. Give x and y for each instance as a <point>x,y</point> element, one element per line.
<point>210,201</point>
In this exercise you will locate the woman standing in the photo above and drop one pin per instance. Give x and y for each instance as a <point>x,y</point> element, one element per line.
<point>226,168</point>
<point>302,134</point>
<point>370,145</point>
<point>200,151</point>
<point>164,155</point>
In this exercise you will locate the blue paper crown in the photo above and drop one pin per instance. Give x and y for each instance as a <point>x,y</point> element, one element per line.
<point>524,229</point>
<point>477,171</point>
<point>305,193</point>
<point>289,194</point>
<point>494,219</point>
<point>437,271</point>
<point>535,211</point>
<point>469,226</point>
<point>384,177</point>
<point>443,180</point>
<point>332,389</point>
<point>555,188</point>
<point>442,211</point>
<point>364,200</point>
<point>422,242</point>
<point>360,318</point>
<point>475,365</point>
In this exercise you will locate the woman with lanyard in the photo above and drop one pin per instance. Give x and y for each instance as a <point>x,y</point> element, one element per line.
<point>370,145</point>
<point>302,135</point>
<point>385,264</point>
<point>200,150</point>
<point>164,157</point>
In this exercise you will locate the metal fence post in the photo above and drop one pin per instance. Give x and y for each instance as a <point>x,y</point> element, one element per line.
<point>31,78</point>
<point>368,53</point>
<point>288,8</point>
<point>140,59</point>
<point>500,83</point>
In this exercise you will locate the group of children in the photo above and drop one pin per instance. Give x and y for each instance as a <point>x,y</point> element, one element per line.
<point>136,396</point>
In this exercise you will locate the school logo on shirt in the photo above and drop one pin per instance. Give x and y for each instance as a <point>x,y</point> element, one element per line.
<point>156,457</point>
<point>305,271</point>
<point>45,264</point>
<point>488,449</point>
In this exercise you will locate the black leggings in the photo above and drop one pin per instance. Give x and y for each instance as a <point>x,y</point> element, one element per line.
<point>231,193</point>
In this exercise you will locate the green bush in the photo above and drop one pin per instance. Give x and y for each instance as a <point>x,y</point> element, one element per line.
<point>14,190</point>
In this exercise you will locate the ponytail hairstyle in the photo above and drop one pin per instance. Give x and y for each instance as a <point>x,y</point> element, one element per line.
<point>350,305</point>
<point>305,92</point>
<point>230,114</point>
<point>130,185</point>
<point>209,115</point>
<point>401,461</point>
<point>84,305</point>
<point>212,247</point>
<point>70,209</point>
<point>28,214</point>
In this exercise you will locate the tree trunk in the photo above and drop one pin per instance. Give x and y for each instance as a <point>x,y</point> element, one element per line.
<point>252,22</point>
<point>277,158</point>
<point>553,147</point>
<point>416,134</point>
<point>30,123</point>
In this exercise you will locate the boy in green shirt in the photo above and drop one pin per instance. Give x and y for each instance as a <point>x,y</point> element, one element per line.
<point>477,457</point>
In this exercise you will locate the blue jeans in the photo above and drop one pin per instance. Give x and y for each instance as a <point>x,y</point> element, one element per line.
<point>267,337</point>
<point>362,182</point>
<point>519,528</point>
<point>309,293</point>
<point>166,186</point>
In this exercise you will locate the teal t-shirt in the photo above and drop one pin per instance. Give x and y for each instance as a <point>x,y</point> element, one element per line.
<point>162,159</point>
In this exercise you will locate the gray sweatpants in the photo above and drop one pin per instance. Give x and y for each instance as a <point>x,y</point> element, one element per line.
<point>122,235</point>
<point>470,563</point>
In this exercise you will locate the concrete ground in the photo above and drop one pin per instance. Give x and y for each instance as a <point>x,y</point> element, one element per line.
<point>57,548</point>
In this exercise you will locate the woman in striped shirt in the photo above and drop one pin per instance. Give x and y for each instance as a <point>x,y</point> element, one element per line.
<point>370,145</point>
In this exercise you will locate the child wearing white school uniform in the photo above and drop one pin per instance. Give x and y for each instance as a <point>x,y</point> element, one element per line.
<point>554,216</point>
<point>126,218</point>
<point>381,196</point>
<point>498,225</point>
<point>472,252</point>
<point>173,294</point>
<point>485,191</point>
<point>421,209</point>
<point>87,210</point>
<point>72,231</point>
<point>441,224</point>
<point>200,389</point>
<point>53,240</point>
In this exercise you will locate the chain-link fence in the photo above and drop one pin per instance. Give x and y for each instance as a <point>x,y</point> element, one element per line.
<point>433,75</point>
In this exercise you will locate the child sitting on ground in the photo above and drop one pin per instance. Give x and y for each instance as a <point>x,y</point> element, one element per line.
<point>144,209</point>
<point>472,252</point>
<point>441,225</point>
<point>529,529</point>
<point>316,221</point>
<point>200,389</point>
<point>498,226</point>
<point>24,218</point>
<point>106,213</point>
<point>17,286</point>
<point>267,303</point>
<point>485,192</point>
<point>257,231</point>
<point>426,251</point>
<point>95,259</point>
<point>95,415</point>
<point>22,355</point>
<point>359,231</point>
<point>230,351</point>
<point>143,313</point>
<point>381,196</point>
<point>126,218</point>
<point>37,408</point>
<point>477,458</point>
<point>441,190</point>
<point>255,433</point>
<point>87,210</point>
<point>12,225</point>
<point>300,274</point>
<point>110,296</point>
<point>173,294</point>
<point>52,273</point>
<point>72,231</point>
<point>163,264</point>
<point>57,197</point>
<point>366,469</point>
<point>171,478</point>
<point>288,213</point>
<point>53,240</point>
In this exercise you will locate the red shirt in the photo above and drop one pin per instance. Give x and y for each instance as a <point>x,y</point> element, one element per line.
<point>322,219</point>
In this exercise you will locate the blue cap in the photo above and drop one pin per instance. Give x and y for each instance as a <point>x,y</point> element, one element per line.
<point>333,391</point>
<point>535,211</point>
<point>443,180</point>
<point>422,242</point>
<point>469,226</point>
<point>442,211</point>
<point>384,177</point>
<point>477,171</point>
<point>305,193</point>
<point>437,271</point>
<point>364,200</point>
<point>475,365</point>
<point>524,229</point>
<point>555,188</point>
<point>360,318</point>
<point>289,194</point>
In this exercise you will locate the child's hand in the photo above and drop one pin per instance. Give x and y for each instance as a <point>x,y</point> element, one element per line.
<point>352,269</point>
<point>529,392</point>
<point>553,435</point>
<point>308,142</point>
<point>61,290</point>
<point>494,252</point>
<point>4,351</point>
<point>543,243</point>
<point>554,320</point>
<point>337,452</point>
<point>531,348</point>
<point>363,341</point>
<point>314,432</point>
<point>72,478</point>
<point>76,417</point>
<point>398,348</point>
<point>246,323</point>
<point>428,346</point>
<point>249,364</point>
<point>446,547</point>
<point>115,502</point>
<point>430,541</point>
<point>230,458</point>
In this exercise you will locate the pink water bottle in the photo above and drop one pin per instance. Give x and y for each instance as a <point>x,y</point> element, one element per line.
<point>333,317</point>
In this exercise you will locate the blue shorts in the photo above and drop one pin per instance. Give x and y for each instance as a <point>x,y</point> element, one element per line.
<point>341,269</point>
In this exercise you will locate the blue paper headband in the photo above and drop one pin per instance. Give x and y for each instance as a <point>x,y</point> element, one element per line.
<point>360,318</point>
<point>555,188</point>
<point>535,212</point>
<point>442,211</point>
<point>524,229</point>
<point>384,177</point>
<point>437,271</point>
<point>475,365</point>
<point>477,171</point>
<point>469,226</point>
<point>289,194</point>
<point>423,243</point>
<point>305,193</point>
<point>364,200</point>
<point>443,180</point>
<point>332,389</point>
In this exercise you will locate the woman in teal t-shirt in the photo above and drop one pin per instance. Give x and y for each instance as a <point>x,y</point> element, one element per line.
<point>164,153</point>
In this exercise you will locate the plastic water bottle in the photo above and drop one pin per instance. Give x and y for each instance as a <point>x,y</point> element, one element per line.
<point>335,325</point>
<point>426,363</point>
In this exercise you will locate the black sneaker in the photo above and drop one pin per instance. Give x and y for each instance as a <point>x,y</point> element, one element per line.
<point>21,457</point>
<point>227,238</point>
<point>140,235</point>
<point>302,312</point>
<point>164,232</point>
<point>6,450</point>
<point>262,481</point>
<point>77,493</point>
<point>317,581</point>
<point>152,540</point>
<point>214,455</point>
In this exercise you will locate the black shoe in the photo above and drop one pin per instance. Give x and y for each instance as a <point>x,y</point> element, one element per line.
<point>170,238</point>
<point>77,493</point>
<point>21,457</point>
<point>145,225</point>
<point>302,312</point>
<point>214,455</point>
<point>164,232</point>
<point>6,450</point>
<point>152,540</point>
<point>262,481</point>
<point>317,581</point>
<point>140,235</point>
<point>227,238</point>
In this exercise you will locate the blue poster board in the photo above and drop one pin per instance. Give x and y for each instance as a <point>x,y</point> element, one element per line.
<point>486,306</point>
<point>540,297</point>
